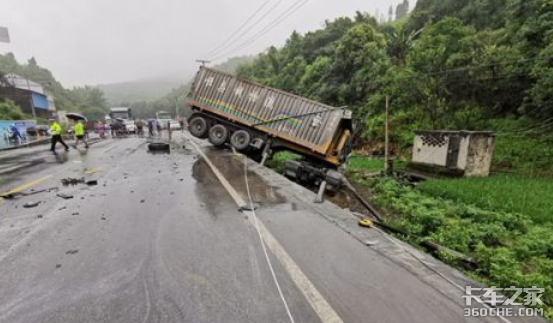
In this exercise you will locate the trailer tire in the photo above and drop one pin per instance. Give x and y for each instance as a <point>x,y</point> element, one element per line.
<point>198,127</point>
<point>240,140</point>
<point>218,135</point>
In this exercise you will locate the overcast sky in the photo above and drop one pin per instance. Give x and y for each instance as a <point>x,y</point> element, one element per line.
<point>106,41</point>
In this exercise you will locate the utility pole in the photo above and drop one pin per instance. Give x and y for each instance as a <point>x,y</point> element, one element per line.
<point>387,166</point>
<point>203,61</point>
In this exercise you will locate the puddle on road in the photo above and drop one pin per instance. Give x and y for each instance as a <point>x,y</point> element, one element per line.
<point>233,170</point>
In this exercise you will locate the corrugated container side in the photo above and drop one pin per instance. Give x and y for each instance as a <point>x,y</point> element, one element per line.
<point>284,115</point>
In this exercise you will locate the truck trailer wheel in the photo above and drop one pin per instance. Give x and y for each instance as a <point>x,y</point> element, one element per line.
<point>218,135</point>
<point>198,127</point>
<point>240,140</point>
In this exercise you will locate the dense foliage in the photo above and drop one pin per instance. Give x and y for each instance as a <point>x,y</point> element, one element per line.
<point>450,64</point>
<point>10,111</point>
<point>87,100</point>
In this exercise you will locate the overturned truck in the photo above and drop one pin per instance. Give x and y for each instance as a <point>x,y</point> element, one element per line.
<point>258,121</point>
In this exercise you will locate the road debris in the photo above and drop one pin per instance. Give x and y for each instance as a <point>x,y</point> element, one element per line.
<point>13,195</point>
<point>88,171</point>
<point>370,243</point>
<point>72,252</point>
<point>39,216</point>
<point>74,181</point>
<point>29,205</point>
<point>64,196</point>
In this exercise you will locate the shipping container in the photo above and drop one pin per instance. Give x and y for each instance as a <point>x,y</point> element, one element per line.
<point>305,126</point>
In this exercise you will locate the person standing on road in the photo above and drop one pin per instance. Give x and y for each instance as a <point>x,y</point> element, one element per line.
<point>55,131</point>
<point>101,129</point>
<point>158,128</point>
<point>80,133</point>
<point>16,135</point>
<point>140,128</point>
<point>150,128</point>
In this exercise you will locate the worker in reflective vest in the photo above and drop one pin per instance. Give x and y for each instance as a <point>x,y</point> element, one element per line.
<point>79,133</point>
<point>55,131</point>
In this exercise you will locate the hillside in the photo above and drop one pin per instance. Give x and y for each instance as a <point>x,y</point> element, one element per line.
<point>86,99</point>
<point>446,66</point>
<point>171,100</point>
<point>140,90</point>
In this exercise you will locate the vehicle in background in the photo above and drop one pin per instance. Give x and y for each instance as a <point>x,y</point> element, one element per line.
<point>130,126</point>
<point>124,114</point>
<point>163,118</point>
<point>175,125</point>
<point>120,113</point>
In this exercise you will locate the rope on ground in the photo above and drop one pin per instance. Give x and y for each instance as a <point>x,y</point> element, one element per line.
<point>263,246</point>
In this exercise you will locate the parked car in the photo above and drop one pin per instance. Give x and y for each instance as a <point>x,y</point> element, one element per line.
<point>41,130</point>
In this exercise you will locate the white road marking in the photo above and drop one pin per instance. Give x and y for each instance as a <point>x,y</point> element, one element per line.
<point>319,304</point>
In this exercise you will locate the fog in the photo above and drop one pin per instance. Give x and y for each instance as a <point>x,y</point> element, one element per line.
<point>106,41</point>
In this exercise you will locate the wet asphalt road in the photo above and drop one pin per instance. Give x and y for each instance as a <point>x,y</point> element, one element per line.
<point>159,240</point>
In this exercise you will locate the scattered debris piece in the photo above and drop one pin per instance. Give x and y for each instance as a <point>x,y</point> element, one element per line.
<point>142,201</point>
<point>72,252</point>
<point>72,181</point>
<point>92,182</point>
<point>12,195</point>
<point>31,204</point>
<point>65,196</point>
<point>370,243</point>
<point>58,266</point>
<point>62,208</point>
<point>103,218</point>
<point>92,171</point>
<point>75,213</point>
<point>39,216</point>
<point>248,207</point>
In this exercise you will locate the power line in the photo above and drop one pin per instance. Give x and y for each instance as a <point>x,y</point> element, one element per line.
<point>277,21</point>
<point>245,32</point>
<point>239,28</point>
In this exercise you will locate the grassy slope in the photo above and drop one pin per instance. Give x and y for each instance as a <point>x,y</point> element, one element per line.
<point>531,196</point>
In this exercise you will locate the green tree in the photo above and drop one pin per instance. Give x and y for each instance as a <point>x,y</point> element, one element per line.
<point>10,111</point>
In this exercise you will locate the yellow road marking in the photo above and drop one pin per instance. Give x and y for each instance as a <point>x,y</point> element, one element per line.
<point>27,185</point>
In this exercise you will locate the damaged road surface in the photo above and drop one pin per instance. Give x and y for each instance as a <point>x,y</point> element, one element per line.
<point>160,239</point>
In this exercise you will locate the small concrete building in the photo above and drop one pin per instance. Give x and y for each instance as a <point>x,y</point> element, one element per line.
<point>465,153</point>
